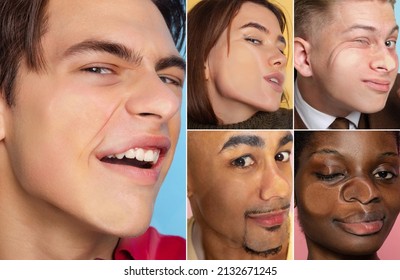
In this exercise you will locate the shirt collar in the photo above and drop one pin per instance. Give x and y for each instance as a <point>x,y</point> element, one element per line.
<point>314,119</point>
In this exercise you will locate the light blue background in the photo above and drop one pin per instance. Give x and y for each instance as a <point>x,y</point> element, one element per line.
<point>170,210</point>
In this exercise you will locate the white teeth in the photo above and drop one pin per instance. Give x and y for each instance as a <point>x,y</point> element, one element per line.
<point>140,154</point>
<point>274,80</point>
<point>130,154</point>
<point>148,155</point>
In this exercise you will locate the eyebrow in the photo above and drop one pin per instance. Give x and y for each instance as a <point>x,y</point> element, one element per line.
<point>369,28</point>
<point>262,29</point>
<point>335,152</point>
<point>112,48</point>
<point>253,141</point>
<point>122,52</point>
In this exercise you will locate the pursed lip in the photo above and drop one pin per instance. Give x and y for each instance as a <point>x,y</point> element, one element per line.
<point>380,85</point>
<point>362,224</point>
<point>270,219</point>
<point>275,80</point>
<point>143,176</point>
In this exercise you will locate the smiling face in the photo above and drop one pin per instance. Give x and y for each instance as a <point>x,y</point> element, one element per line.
<point>246,69</point>
<point>94,135</point>
<point>354,175</point>
<point>239,185</point>
<point>355,69</point>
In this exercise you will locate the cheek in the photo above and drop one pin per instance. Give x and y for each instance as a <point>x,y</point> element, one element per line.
<point>316,202</point>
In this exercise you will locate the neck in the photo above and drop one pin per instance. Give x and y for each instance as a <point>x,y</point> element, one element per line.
<point>316,96</point>
<point>211,246</point>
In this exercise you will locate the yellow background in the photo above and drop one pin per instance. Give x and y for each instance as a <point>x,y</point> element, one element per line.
<point>287,7</point>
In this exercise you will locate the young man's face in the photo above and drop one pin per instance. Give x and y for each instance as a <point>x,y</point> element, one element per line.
<point>111,90</point>
<point>348,192</point>
<point>246,72</point>
<point>240,187</point>
<point>353,57</point>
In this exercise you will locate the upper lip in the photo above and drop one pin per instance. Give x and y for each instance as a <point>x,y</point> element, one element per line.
<point>275,76</point>
<point>362,217</point>
<point>266,212</point>
<point>155,142</point>
<point>378,81</point>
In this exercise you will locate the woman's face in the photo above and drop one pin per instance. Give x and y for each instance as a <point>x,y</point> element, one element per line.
<point>347,192</point>
<point>245,71</point>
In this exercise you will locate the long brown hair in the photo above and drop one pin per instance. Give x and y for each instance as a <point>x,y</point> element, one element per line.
<point>206,22</point>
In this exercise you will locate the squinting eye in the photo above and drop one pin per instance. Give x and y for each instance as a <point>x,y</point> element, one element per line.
<point>98,70</point>
<point>385,175</point>
<point>253,41</point>
<point>171,81</point>
<point>282,156</point>
<point>243,161</point>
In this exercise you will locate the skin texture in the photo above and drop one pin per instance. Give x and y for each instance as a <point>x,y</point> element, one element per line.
<point>57,195</point>
<point>355,69</point>
<point>354,175</point>
<point>232,176</point>
<point>235,69</point>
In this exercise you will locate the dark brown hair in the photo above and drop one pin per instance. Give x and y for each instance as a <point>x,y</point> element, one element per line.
<point>206,22</point>
<point>23,23</point>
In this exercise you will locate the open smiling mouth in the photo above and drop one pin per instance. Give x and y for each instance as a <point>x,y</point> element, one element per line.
<point>136,157</point>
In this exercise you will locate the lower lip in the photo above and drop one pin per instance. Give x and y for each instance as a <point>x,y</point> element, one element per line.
<point>140,176</point>
<point>275,86</point>
<point>270,220</point>
<point>362,228</point>
<point>378,87</point>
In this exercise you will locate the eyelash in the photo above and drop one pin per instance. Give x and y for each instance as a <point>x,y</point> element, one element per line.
<point>253,41</point>
<point>328,177</point>
<point>243,161</point>
<point>98,70</point>
<point>168,80</point>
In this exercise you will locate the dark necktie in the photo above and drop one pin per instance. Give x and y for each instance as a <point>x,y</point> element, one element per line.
<point>340,123</point>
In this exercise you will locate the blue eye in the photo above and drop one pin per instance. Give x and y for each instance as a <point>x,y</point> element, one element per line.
<point>243,161</point>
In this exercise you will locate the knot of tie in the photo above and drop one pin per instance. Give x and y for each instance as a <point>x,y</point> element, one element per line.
<point>340,123</point>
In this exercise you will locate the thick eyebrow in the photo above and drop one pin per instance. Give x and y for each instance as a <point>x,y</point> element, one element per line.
<point>249,140</point>
<point>262,29</point>
<point>171,61</point>
<point>253,141</point>
<point>286,139</point>
<point>112,48</point>
<point>369,28</point>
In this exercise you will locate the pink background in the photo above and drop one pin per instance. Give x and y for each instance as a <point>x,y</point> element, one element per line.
<point>389,251</point>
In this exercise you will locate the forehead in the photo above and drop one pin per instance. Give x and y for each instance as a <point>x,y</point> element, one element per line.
<point>206,142</point>
<point>353,141</point>
<point>374,13</point>
<point>251,12</point>
<point>135,23</point>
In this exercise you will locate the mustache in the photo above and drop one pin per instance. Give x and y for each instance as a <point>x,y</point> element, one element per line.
<point>269,207</point>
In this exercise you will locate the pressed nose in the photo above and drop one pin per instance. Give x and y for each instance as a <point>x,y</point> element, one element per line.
<point>360,189</point>
<point>153,99</point>
<point>384,61</point>
<point>275,183</point>
<point>277,59</point>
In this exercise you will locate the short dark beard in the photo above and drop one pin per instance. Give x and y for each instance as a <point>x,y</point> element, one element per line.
<point>264,254</point>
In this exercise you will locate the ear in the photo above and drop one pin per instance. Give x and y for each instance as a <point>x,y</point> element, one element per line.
<point>302,57</point>
<point>3,106</point>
